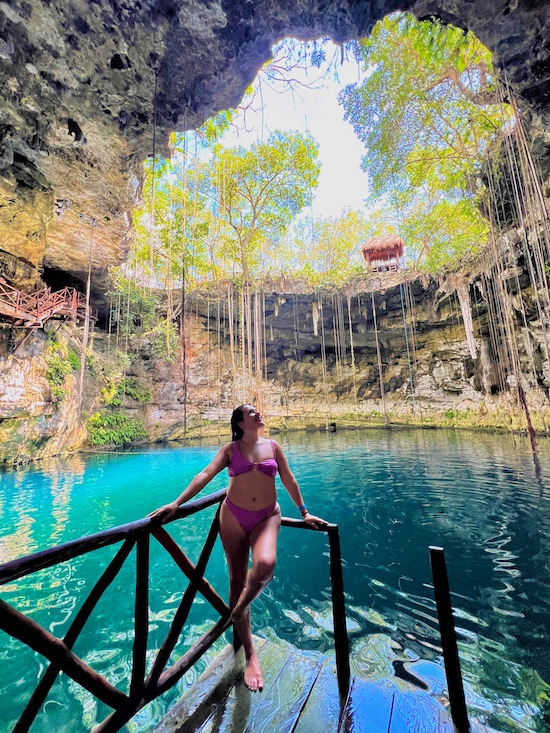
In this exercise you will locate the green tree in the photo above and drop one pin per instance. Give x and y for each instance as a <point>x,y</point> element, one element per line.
<point>427,112</point>
<point>326,250</point>
<point>256,193</point>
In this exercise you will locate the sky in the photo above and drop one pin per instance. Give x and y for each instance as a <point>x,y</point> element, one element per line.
<point>342,183</point>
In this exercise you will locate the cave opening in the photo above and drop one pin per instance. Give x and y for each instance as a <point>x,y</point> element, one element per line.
<point>57,279</point>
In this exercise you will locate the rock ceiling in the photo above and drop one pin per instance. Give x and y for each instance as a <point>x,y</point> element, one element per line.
<point>78,81</point>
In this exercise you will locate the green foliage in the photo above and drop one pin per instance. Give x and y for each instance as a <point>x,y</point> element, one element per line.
<point>132,387</point>
<point>263,189</point>
<point>133,308</point>
<point>116,387</point>
<point>427,113</point>
<point>457,416</point>
<point>325,251</point>
<point>165,340</point>
<point>215,216</point>
<point>114,428</point>
<point>109,391</point>
<point>61,361</point>
<point>73,359</point>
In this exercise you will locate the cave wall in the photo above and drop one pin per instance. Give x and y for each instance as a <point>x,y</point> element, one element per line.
<point>82,81</point>
<point>455,381</point>
<point>34,424</point>
<point>428,367</point>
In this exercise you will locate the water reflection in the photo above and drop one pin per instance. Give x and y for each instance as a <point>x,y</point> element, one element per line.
<point>24,502</point>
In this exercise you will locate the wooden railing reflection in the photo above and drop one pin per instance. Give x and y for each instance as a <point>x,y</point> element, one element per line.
<point>143,687</point>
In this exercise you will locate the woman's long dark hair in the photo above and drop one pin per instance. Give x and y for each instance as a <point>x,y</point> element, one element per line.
<point>237,416</point>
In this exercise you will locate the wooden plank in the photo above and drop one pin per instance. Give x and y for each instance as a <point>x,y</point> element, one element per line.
<point>368,709</point>
<point>141,617</point>
<point>323,707</point>
<point>197,701</point>
<point>414,713</point>
<point>219,697</point>
<point>240,705</point>
<point>287,696</point>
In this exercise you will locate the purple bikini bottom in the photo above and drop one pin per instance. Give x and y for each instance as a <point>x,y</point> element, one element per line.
<point>249,520</point>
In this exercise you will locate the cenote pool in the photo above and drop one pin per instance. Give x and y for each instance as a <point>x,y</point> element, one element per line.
<point>393,493</point>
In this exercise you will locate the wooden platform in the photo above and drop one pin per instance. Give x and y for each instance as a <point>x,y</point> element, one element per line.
<point>300,696</point>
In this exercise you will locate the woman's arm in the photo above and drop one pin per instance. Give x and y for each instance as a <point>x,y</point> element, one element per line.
<point>291,485</point>
<point>198,483</point>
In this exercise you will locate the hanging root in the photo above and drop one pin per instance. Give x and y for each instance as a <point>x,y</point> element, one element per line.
<point>530,428</point>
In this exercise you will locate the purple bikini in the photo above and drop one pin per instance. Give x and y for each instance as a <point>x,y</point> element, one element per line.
<point>249,520</point>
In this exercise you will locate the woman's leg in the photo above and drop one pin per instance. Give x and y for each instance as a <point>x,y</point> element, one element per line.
<point>263,543</point>
<point>236,545</point>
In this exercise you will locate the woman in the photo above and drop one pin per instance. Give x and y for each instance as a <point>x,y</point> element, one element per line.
<point>250,519</point>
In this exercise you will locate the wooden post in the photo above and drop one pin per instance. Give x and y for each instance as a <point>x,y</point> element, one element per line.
<point>182,612</point>
<point>341,643</point>
<point>139,653</point>
<point>459,712</point>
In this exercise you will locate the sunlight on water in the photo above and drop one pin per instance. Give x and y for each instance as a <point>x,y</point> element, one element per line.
<point>392,493</point>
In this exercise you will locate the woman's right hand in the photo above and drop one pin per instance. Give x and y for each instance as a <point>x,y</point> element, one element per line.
<point>165,512</point>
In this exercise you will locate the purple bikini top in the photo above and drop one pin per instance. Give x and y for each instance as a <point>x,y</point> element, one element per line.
<point>241,465</point>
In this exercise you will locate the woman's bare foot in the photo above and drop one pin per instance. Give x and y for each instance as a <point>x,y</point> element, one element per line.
<point>253,674</point>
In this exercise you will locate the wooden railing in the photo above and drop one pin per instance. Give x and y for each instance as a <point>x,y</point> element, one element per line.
<point>143,687</point>
<point>451,660</point>
<point>34,309</point>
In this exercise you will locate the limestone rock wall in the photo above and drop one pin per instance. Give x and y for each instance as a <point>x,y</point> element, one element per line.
<point>33,423</point>
<point>432,372</point>
<point>429,366</point>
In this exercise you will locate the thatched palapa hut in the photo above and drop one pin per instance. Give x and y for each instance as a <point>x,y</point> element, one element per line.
<point>383,253</point>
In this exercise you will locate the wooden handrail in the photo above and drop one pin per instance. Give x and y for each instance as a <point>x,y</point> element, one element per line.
<point>143,689</point>
<point>39,695</point>
<point>341,642</point>
<point>53,555</point>
<point>36,637</point>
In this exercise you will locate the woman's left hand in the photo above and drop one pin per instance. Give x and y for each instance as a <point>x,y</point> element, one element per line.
<point>313,520</point>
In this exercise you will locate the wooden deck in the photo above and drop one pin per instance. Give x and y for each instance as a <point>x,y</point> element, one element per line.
<point>300,696</point>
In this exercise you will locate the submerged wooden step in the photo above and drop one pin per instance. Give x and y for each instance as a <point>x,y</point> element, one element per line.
<point>374,708</point>
<point>219,700</point>
<point>300,695</point>
<point>323,707</point>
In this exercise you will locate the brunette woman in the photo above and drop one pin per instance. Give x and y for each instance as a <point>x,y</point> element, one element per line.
<point>250,518</point>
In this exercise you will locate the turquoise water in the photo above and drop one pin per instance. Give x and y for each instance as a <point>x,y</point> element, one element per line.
<point>392,493</point>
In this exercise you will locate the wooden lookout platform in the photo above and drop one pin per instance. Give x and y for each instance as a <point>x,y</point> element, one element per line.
<point>32,310</point>
<point>383,253</point>
<point>300,696</point>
